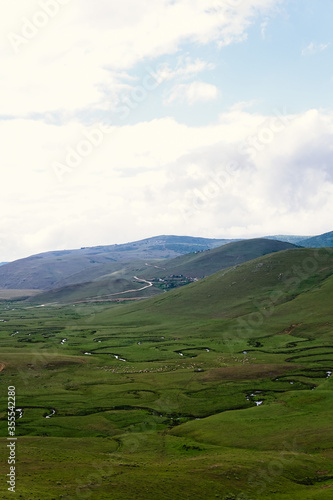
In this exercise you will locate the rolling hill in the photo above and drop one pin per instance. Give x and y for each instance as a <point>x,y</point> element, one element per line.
<point>320,241</point>
<point>219,389</point>
<point>111,271</point>
<point>211,261</point>
<point>59,268</point>
<point>162,275</point>
<point>268,281</point>
<point>260,332</point>
<point>323,240</point>
<point>289,238</point>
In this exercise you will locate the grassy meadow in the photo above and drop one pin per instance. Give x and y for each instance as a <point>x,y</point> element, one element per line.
<point>219,389</point>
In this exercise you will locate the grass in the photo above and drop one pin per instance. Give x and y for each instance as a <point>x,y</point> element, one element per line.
<point>67,267</point>
<point>112,280</point>
<point>179,417</point>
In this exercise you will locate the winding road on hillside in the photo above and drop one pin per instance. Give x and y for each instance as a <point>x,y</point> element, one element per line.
<point>100,297</point>
<point>106,298</point>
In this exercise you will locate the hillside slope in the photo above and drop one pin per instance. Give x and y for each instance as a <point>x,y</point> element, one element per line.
<point>267,281</point>
<point>290,238</point>
<point>55,269</point>
<point>323,240</point>
<point>119,280</point>
<point>222,388</point>
<point>211,261</point>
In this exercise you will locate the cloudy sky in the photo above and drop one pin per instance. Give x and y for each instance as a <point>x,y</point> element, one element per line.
<point>124,120</point>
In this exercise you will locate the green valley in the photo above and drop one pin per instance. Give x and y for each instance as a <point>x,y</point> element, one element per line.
<point>219,389</point>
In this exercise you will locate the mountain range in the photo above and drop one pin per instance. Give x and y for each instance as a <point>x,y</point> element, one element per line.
<point>222,386</point>
<point>137,269</point>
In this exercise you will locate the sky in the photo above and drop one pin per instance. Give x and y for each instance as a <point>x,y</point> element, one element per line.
<point>126,120</point>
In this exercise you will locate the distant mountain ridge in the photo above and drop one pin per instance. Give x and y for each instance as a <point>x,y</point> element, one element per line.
<point>48,270</point>
<point>62,268</point>
<point>139,279</point>
<point>289,238</point>
<point>320,241</point>
<point>323,240</point>
<point>214,260</point>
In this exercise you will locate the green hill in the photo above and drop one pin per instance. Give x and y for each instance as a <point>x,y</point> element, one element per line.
<point>209,262</point>
<point>111,289</point>
<point>277,278</point>
<point>219,389</point>
<point>290,238</point>
<point>120,279</point>
<point>67,267</point>
<point>323,240</point>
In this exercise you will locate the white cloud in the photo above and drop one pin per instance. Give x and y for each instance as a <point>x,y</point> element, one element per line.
<point>172,179</point>
<point>75,58</point>
<point>192,93</point>
<point>184,69</point>
<point>314,48</point>
<point>244,175</point>
<point>263,28</point>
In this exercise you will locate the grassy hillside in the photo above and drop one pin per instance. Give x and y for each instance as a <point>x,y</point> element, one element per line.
<point>7,294</point>
<point>110,289</point>
<point>118,277</point>
<point>323,240</point>
<point>60,268</point>
<point>209,262</point>
<point>273,278</point>
<point>220,389</point>
<point>290,238</point>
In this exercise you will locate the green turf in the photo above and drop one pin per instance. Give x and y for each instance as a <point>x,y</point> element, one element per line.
<point>220,389</point>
